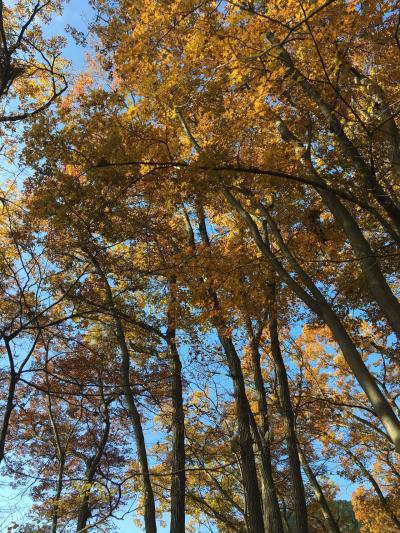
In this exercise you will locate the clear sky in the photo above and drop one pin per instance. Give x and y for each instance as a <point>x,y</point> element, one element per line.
<point>76,13</point>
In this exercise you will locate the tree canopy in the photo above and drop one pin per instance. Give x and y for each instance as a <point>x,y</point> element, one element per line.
<point>200,315</point>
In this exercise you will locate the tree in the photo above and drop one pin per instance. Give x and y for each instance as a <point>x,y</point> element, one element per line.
<point>212,212</point>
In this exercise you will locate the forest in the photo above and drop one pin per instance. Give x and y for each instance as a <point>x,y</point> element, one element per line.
<point>199,266</point>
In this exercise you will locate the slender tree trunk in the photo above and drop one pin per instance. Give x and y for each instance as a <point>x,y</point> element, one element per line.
<point>300,507</point>
<point>60,448</point>
<point>367,382</point>
<point>254,513</point>
<point>375,280</point>
<point>54,520</point>
<point>14,378</point>
<point>178,424</point>
<point>331,523</point>
<point>272,514</point>
<point>270,504</point>
<point>250,481</point>
<point>7,413</point>
<point>149,503</point>
<point>91,468</point>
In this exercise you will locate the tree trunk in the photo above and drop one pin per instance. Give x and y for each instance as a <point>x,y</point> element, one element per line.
<point>7,414</point>
<point>149,503</point>
<point>250,481</point>
<point>91,468</point>
<point>300,507</point>
<point>14,378</point>
<point>178,425</point>
<point>272,514</point>
<point>54,520</point>
<point>329,518</point>
<point>254,513</point>
<point>375,280</point>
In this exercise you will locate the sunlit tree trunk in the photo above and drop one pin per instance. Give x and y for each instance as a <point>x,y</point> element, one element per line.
<point>314,299</point>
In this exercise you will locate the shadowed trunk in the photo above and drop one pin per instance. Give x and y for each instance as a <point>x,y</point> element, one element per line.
<point>331,523</point>
<point>149,503</point>
<point>178,424</point>
<point>254,513</point>
<point>272,514</point>
<point>299,499</point>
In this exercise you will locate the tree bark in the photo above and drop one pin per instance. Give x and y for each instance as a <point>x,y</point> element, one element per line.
<point>149,503</point>
<point>178,424</point>
<point>91,468</point>
<point>272,514</point>
<point>331,523</point>
<point>14,378</point>
<point>249,472</point>
<point>60,451</point>
<point>248,463</point>
<point>54,520</point>
<point>7,413</point>
<point>376,282</point>
<point>299,499</point>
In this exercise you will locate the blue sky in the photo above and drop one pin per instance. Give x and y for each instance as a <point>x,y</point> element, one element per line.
<point>77,13</point>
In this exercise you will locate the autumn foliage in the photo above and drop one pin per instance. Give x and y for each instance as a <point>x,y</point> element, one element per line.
<point>199,266</point>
